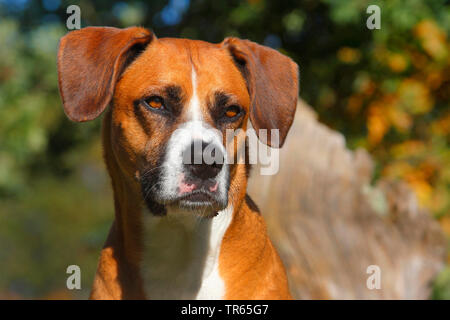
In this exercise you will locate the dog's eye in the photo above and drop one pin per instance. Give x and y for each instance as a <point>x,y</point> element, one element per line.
<point>154,102</point>
<point>232,112</point>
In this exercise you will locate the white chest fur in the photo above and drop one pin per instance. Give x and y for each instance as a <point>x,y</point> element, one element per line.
<point>181,255</point>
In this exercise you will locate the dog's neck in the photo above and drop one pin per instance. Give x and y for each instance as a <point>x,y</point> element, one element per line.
<point>180,257</point>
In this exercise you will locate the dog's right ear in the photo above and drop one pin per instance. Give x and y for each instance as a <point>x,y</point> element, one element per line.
<point>90,61</point>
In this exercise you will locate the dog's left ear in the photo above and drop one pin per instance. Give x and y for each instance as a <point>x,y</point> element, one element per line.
<point>272,81</point>
<point>90,61</point>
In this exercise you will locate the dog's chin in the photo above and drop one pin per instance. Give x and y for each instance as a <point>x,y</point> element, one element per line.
<point>195,209</point>
<point>201,203</point>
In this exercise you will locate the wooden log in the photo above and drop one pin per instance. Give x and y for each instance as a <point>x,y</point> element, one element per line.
<point>330,223</point>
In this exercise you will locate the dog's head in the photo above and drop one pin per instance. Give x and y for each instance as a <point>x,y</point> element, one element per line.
<point>173,101</point>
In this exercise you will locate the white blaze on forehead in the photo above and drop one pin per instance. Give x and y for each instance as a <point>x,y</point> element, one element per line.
<point>195,111</point>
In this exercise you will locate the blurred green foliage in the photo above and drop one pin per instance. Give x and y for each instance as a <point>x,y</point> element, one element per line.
<point>386,90</point>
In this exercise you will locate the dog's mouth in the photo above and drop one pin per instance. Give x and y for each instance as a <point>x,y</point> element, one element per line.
<point>197,196</point>
<point>202,202</point>
<point>199,199</point>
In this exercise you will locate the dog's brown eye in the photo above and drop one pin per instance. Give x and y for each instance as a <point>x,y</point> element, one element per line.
<point>155,102</point>
<point>232,111</point>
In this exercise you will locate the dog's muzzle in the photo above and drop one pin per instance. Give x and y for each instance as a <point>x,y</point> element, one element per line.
<point>193,175</point>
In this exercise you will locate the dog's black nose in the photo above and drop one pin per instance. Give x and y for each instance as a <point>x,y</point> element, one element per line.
<point>203,160</point>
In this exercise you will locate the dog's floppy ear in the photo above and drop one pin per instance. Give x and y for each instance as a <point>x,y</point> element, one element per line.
<point>272,80</point>
<point>90,61</point>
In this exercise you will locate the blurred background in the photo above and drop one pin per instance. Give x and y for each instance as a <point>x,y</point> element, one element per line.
<point>386,90</point>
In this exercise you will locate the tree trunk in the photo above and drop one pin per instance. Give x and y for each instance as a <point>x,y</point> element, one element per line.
<point>330,224</point>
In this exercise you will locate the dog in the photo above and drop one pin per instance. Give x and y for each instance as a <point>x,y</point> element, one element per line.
<point>182,230</point>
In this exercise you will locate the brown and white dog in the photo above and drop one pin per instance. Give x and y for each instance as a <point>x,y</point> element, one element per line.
<point>181,231</point>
